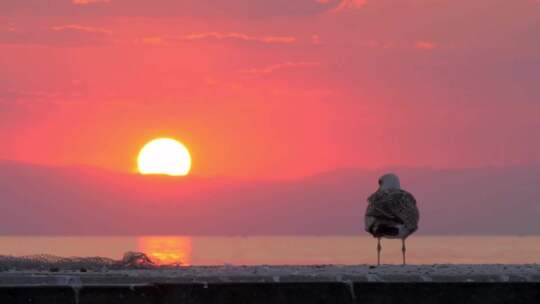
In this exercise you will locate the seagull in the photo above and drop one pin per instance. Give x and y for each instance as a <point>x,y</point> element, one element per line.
<point>391,213</point>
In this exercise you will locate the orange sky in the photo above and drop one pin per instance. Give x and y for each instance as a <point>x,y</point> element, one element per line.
<point>271,88</point>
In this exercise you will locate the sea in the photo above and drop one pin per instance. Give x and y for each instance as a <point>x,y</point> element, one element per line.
<point>283,250</point>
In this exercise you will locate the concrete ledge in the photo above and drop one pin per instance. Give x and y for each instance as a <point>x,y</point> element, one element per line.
<point>270,293</point>
<point>295,284</point>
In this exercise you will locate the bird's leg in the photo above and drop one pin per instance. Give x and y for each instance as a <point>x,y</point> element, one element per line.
<point>379,251</point>
<point>403,250</point>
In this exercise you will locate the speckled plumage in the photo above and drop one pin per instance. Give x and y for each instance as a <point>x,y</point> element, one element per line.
<point>391,213</point>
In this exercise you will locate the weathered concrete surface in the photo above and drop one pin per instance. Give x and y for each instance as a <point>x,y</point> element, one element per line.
<point>279,284</point>
<point>322,273</point>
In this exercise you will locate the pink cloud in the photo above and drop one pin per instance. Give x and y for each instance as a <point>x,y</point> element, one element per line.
<point>168,39</point>
<point>425,45</point>
<point>80,28</point>
<point>278,39</point>
<point>349,5</point>
<point>241,37</point>
<point>60,35</point>
<point>280,66</point>
<point>86,2</point>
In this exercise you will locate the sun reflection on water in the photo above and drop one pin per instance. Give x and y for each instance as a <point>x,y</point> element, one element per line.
<point>166,250</point>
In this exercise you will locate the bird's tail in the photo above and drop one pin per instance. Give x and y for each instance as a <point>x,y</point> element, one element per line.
<point>384,230</point>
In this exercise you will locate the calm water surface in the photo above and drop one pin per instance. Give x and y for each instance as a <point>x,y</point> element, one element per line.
<point>284,249</point>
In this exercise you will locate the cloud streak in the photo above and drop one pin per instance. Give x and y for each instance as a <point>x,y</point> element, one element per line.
<point>87,2</point>
<point>239,37</point>
<point>346,5</point>
<point>282,66</point>
<point>216,36</point>
<point>59,35</point>
<point>425,45</point>
<point>80,28</point>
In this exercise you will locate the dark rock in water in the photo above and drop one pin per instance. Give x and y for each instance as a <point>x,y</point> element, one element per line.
<point>83,269</point>
<point>54,269</point>
<point>133,259</point>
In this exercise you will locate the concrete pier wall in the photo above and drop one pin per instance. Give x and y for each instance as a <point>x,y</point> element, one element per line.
<point>271,293</point>
<point>263,284</point>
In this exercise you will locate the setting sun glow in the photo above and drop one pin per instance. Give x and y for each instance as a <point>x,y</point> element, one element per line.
<point>164,156</point>
<point>166,250</point>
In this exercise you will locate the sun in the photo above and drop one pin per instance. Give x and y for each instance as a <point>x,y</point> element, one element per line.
<point>164,156</point>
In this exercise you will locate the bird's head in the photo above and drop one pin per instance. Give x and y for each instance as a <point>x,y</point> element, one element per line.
<point>389,181</point>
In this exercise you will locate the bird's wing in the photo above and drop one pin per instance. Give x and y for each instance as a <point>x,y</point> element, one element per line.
<point>376,213</point>
<point>394,205</point>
